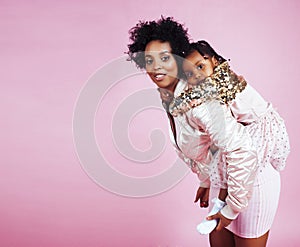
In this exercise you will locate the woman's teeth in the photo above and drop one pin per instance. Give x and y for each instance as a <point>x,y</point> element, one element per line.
<point>159,76</point>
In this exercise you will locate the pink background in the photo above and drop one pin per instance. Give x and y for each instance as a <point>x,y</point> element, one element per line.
<point>48,50</point>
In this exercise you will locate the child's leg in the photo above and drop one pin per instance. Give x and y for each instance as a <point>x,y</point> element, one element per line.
<point>207,226</point>
<point>222,194</point>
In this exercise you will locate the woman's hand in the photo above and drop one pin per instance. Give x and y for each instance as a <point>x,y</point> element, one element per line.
<point>223,221</point>
<point>203,196</point>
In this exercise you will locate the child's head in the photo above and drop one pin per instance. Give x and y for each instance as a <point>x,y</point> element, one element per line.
<point>200,62</point>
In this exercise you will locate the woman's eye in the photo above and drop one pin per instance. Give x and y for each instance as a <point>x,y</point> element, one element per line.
<point>165,58</point>
<point>149,61</point>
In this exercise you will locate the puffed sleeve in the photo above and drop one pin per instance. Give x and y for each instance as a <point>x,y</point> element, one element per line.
<point>201,169</point>
<point>234,141</point>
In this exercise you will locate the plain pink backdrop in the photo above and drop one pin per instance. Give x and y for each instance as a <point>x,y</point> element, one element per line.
<point>48,50</point>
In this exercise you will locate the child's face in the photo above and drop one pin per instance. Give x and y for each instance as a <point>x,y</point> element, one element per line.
<point>197,67</point>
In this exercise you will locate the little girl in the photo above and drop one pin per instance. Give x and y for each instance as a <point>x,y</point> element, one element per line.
<point>209,77</point>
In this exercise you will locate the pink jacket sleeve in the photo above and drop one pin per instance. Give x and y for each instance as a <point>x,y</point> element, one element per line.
<point>234,141</point>
<point>201,169</point>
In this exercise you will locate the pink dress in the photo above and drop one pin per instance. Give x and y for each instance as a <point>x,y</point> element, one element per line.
<point>253,186</point>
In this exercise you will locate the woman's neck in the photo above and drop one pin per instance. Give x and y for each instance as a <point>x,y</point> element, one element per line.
<point>172,87</point>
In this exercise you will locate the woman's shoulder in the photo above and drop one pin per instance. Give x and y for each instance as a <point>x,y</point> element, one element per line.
<point>251,95</point>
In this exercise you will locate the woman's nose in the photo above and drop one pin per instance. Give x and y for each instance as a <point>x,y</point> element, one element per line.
<point>156,66</point>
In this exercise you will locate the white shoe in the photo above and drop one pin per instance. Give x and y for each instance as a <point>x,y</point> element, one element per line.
<point>207,226</point>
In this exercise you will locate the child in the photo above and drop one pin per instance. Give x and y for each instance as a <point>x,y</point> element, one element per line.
<point>209,77</point>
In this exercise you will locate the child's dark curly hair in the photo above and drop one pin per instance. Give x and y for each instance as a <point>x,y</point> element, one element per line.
<point>205,49</point>
<point>165,30</point>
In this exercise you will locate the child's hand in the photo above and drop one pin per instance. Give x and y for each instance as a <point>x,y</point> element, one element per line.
<point>203,195</point>
<point>223,221</point>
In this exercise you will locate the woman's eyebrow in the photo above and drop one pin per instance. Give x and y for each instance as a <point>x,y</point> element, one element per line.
<point>164,52</point>
<point>159,53</point>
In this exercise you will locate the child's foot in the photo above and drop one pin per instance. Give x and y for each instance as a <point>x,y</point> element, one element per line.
<point>207,226</point>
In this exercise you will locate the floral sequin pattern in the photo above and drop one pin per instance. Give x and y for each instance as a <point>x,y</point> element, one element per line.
<point>222,85</point>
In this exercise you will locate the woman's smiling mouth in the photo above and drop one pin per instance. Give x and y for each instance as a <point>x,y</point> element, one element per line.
<point>159,76</point>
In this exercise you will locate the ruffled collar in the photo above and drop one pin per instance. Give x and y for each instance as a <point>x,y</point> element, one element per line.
<point>222,85</point>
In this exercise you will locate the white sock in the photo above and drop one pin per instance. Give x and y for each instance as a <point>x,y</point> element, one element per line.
<point>207,226</point>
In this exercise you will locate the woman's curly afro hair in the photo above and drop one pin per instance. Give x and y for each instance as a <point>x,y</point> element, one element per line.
<point>165,30</point>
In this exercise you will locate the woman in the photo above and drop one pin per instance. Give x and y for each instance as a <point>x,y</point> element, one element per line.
<point>153,48</point>
<point>168,40</point>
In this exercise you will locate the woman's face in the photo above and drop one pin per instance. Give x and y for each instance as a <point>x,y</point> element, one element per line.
<point>161,65</point>
<point>197,67</point>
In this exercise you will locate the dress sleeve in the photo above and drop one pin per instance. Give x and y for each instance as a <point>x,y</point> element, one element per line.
<point>234,141</point>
